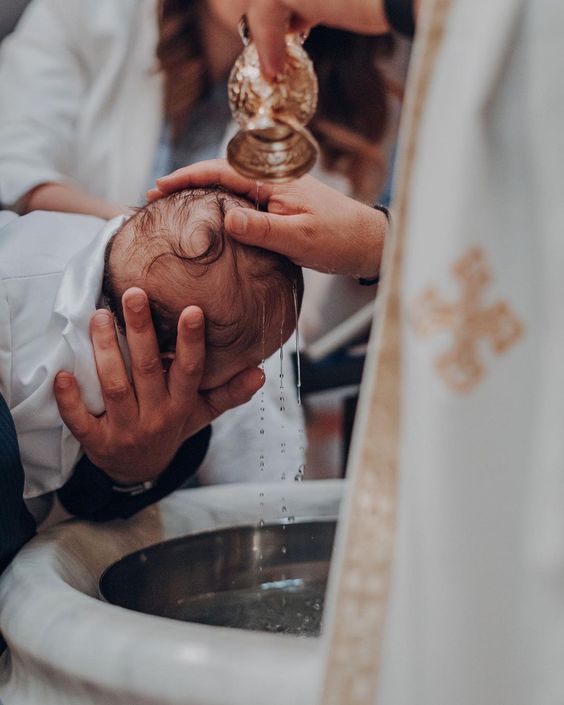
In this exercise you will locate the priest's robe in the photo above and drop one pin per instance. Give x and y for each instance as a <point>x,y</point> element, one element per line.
<point>449,588</point>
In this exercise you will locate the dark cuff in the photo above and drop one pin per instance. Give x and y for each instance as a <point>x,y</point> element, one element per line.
<point>91,494</point>
<point>400,16</point>
<point>363,281</point>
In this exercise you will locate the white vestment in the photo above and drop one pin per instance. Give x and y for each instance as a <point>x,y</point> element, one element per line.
<point>475,287</point>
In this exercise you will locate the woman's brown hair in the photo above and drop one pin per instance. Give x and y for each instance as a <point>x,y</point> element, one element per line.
<point>180,56</point>
<point>352,113</point>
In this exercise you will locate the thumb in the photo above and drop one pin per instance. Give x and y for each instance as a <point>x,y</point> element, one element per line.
<point>279,233</point>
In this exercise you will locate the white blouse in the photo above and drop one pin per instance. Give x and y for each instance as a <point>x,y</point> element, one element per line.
<point>84,108</point>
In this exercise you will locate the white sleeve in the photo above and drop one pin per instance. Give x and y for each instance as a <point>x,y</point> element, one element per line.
<point>42,81</point>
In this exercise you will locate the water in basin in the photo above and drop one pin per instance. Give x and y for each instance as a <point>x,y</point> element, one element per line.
<point>267,578</point>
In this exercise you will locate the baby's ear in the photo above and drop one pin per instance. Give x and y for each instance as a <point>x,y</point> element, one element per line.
<point>166,360</point>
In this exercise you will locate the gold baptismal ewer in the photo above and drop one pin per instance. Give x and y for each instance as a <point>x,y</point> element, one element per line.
<point>273,144</point>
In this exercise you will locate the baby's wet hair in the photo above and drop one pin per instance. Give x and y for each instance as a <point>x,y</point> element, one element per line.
<point>255,286</point>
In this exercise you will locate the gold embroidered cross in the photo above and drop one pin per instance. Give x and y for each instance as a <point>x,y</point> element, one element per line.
<point>469,320</point>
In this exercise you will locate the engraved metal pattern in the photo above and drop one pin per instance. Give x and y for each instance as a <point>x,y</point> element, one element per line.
<point>273,143</point>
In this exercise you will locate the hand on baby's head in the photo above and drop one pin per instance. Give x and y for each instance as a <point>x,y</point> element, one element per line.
<point>176,249</point>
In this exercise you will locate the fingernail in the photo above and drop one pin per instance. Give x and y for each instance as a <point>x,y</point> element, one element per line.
<point>63,381</point>
<point>102,318</point>
<point>195,322</point>
<point>239,222</point>
<point>136,302</point>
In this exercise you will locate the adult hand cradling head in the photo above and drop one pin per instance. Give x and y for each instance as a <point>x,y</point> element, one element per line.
<point>146,421</point>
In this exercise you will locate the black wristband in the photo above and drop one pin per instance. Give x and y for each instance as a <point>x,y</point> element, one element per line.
<point>400,16</point>
<point>363,281</point>
<point>369,282</point>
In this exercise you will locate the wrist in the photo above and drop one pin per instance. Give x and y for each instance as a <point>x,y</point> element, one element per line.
<point>373,223</point>
<point>137,488</point>
<point>370,17</point>
<point>131,475</point>
<point>127,479</point>
<point>90,493</point>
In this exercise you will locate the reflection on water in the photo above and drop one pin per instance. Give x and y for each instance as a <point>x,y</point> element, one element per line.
<point>282,606</point>
<point>268,578</point>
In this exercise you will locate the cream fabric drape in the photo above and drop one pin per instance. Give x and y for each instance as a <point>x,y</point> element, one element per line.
<point>461,434</point>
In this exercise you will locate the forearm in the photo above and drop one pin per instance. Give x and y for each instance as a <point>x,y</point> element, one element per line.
<point>68,199</point>
<point>91,494</point>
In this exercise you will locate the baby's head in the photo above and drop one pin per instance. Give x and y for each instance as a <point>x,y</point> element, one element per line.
<point>176,250</point>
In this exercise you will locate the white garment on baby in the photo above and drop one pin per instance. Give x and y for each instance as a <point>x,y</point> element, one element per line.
<point>51,267</point>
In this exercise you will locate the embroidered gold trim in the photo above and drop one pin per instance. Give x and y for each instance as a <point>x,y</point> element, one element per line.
<point>469,321</point>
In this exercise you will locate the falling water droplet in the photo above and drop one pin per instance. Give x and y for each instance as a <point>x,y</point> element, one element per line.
<point>298,367</point>
<point>263,334</point>
<point>281,357</point>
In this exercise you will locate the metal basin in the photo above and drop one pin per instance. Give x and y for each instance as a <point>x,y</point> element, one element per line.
<point>268,578</point>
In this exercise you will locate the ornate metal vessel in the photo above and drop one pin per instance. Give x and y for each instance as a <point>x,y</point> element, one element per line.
<point>273,143</point>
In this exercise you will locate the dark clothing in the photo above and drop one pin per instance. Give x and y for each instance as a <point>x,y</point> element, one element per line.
<point>89,493</point>
<point>16,523</point>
